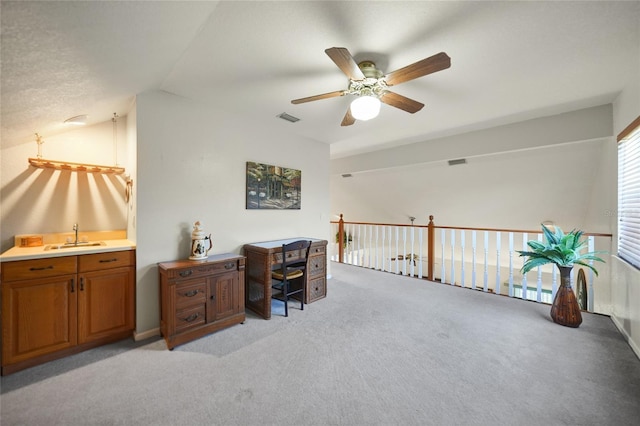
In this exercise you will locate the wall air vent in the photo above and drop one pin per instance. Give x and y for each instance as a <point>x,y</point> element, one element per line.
<point>458,161</point>
<point>346,175</point>
<point>288,117</point>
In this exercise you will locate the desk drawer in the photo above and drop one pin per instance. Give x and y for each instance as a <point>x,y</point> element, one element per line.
<point>317,266</point>
<point>317,289</point>
<point>190,317</point>
<point>203,270</point>
<point>276,258</point>
<point>317,249</point>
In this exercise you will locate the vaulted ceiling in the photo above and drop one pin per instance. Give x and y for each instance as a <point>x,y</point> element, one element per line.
<point>510,61</point>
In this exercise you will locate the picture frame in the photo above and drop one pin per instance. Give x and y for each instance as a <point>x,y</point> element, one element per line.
<point>272,187</point>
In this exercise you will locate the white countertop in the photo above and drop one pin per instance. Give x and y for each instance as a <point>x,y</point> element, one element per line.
<point>26,253</point>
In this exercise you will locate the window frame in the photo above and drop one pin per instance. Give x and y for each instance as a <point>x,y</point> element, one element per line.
<point>628,194</point>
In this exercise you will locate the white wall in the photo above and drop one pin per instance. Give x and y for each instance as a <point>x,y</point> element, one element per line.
<point>625,279</point>
<point>192,166</point>
<point>37,200</point>
<point>516,176</point>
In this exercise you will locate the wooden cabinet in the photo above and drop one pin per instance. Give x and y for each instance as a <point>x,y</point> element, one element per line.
<point>53,307</point>
<point>106,295</point>
<point>200,297</point>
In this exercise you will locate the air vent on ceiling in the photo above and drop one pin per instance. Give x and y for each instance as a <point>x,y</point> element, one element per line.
<point>346,175</point>
<point>288,117</point>
<point>458,161</point>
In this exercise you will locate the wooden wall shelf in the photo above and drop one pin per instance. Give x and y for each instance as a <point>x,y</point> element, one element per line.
<point>74,167</point>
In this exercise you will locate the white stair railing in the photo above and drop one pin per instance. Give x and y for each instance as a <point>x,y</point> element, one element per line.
<point>404,250</point>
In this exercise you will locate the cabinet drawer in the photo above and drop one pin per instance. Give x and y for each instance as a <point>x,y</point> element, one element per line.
<point>38,268</point>
<point>190,317</point>
<point>98,261</point>
<point>202,270</point>
<point>190,294</point>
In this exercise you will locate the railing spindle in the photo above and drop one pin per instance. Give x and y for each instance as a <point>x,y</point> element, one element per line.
<point>524,283</point>
<point>486,262</point>
<point>420,254</point>
<point>453,257</point>
<point>498,246</point>
<point>462,244</point>
<point>442,263</point>
<point>539,282</point>
<point>473,260</point>
<point>511,265</point>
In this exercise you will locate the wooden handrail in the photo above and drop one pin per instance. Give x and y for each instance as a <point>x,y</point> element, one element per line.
<point>467,228</point>
<point>431,230</point>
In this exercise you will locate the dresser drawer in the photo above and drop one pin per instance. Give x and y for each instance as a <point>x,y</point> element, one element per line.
<point>98,261</point>
<point>190,317</point>
<point>188,294</point>
<point>38,268</point>
<point>205,269</point>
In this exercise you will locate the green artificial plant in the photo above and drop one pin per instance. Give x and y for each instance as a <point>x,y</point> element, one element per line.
<point>560,249</point>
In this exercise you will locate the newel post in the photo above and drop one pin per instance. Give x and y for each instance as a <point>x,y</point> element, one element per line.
<point>431,245</point>
<point>340,239</point>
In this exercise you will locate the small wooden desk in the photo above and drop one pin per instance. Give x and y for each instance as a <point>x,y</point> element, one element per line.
<point>264,256</point>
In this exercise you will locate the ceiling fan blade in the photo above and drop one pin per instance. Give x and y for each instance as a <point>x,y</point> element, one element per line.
<point>318,97</point>
<point>345,62</point>
<point>421,68</point>
<point>348,119</point>
<point>402,102</point>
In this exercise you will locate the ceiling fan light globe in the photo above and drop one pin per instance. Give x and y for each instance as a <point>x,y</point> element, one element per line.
<point>365,108</point>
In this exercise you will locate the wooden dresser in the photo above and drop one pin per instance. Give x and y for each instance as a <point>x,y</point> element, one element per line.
<point>198,297</point>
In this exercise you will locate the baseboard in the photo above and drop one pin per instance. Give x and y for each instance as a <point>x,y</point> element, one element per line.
<point>146,334</point>
<point>634,347</point>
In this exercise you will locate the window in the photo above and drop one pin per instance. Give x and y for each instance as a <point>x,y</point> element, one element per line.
<point>629,194</point>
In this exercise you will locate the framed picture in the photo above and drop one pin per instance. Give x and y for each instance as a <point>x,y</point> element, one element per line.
<point>273,187</point>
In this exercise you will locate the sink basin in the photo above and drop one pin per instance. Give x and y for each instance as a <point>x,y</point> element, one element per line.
<point>72,245</point>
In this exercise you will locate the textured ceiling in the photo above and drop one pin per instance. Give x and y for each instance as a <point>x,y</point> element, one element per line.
<point>510,61</point>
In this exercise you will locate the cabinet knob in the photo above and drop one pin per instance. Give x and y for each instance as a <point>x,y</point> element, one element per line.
<point>185,273</point>
<point>229,265</point>
<point>191,293</point>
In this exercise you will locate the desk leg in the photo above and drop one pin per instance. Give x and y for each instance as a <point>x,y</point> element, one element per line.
<point>258,283</point>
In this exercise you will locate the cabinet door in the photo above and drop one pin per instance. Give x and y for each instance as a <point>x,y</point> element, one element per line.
<point>105,303</point>
<point>38,317</point>
<point>223,296</point>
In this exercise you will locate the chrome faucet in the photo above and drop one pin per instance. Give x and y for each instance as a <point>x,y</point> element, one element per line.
<point>75,228</point>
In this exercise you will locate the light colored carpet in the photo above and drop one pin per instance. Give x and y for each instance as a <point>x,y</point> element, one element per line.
<point>381,349</point>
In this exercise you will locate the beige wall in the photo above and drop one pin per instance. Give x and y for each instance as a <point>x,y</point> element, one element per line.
<point>192,166</point>
<point>625,279</point>
<point>516,176</point>
<point>37,200</point>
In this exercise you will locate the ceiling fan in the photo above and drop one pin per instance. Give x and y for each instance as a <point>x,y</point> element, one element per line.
<point>370,85</point>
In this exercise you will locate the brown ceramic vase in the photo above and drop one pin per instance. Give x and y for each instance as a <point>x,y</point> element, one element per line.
<point>565,309</point>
